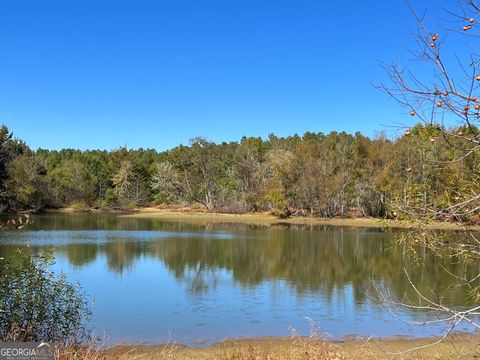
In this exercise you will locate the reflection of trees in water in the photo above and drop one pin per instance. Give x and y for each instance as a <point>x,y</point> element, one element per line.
<point>309,260</point>
<point>81,254</point>
<point>315,262</point>
<point>121,254</point>
<point>108,221</point>
<point>200,280</point>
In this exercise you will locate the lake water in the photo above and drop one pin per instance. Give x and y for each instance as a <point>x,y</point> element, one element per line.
<point>154,281</point>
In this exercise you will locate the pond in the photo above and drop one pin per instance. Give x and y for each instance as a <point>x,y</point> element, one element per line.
<point>155,281</point>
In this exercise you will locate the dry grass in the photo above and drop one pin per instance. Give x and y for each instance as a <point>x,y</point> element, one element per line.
<point>460,346</point>
<point>123,352</point>
<point>255,349</point>
<point>266,219</point>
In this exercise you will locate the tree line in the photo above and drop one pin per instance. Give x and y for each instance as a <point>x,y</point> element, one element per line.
<point>336,174</point>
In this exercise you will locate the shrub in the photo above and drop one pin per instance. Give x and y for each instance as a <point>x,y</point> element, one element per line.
<point>38,305</point>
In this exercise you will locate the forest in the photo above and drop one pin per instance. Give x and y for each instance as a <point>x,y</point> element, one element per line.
<point>316,174</point>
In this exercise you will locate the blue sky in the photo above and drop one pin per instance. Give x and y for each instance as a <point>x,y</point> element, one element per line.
<point>153,74</point>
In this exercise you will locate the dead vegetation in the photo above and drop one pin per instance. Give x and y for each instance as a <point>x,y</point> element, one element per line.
<point>456,346</point>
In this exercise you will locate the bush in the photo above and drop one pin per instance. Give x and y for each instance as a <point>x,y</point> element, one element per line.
<point>38,305</point>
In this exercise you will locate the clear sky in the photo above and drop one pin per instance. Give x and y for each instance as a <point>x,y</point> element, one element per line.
<point>153,74</point>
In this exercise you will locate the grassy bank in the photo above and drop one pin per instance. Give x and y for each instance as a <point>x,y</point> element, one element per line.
<point>188,215</point>
<point>453,347</point>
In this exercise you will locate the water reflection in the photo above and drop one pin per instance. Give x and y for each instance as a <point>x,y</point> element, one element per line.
<point>337,265</point>
<point>310,260</point>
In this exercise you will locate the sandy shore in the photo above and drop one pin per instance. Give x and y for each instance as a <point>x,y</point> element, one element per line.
<point>269,220</point>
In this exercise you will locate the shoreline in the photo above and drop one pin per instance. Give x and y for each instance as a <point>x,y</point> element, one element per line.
<point>261,219</point>
<point>453,346</point>
<point>266,219</point>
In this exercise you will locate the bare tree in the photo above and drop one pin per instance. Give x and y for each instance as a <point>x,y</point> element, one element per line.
<point>448,104</point>
<point>166,183</point>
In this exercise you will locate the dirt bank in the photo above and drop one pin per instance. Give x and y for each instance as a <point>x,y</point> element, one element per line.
<point>459,346</point>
